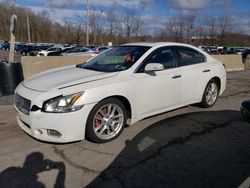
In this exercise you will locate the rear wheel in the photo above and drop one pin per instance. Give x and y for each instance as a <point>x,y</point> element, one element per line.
<point>106,121</point>
<point>210,94</point>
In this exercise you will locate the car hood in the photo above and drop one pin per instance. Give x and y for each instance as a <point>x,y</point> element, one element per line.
<point>63,78</point>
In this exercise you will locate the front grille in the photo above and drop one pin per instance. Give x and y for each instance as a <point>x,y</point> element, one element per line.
<point>22,104</point>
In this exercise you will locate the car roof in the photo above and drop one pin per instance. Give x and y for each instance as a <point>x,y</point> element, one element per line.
<point>162,44</point>
<point>157,44</point>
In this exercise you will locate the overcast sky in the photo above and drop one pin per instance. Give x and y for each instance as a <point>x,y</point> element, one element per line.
<point>153,11</point>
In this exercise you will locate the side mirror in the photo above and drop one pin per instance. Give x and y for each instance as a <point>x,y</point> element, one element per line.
<point>154,67</point>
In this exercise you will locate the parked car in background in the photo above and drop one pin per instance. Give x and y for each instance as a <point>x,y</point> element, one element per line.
<point>92,46</point>
<point>231,51</point>
<point>239,50</point>
<point>58,53</point>
<point>5,45</point>
<point>80,51</point>
<point>49,50</point>
<point>123,85</point>
<point>54,51</point>
<point>101,49</point>
<point>1,44</point>
<point>34,52</point>
<point>222,49</point>
<point>209,49</point>
<point>27,49</point>
<point>19,46</point>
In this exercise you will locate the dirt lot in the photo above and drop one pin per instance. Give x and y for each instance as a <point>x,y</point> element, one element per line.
<point>189,147</point>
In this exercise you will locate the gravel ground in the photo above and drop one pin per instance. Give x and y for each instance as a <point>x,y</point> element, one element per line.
<point>4,55</point>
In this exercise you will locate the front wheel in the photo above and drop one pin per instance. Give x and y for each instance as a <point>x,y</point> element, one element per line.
<point>210,94</point>
<point>106,121</point>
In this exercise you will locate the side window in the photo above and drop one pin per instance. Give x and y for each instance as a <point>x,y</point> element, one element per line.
<point>188,56</point>
<point>166,56</point>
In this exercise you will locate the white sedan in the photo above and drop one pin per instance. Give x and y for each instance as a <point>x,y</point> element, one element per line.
<point>49,50</point>
<point>80,51</point>
<point>123,85</point>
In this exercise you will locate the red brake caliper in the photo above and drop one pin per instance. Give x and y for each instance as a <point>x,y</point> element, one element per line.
<point>97,121</point>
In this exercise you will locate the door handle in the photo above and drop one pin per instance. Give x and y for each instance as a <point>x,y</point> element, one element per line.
<point>207,70</point>
<point>176,77</point>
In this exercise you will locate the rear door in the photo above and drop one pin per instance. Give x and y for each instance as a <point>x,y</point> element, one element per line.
<point>195,74</point>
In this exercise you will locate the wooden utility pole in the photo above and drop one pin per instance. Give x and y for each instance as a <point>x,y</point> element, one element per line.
<point>87,24</point>
<point>28,25</point>
<point>12,37</point>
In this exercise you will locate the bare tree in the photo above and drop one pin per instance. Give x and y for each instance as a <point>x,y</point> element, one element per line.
<point>112,20</point>
<point>225,26</point>
<point>174,28</point>
<point>210,30</point>
<point>78,29</point>
<point>138,23</point>
<point>211,26</point>
<point>189,20</point>
<point>3,21</point>
<point>96,25</point>
<point>132,24</point>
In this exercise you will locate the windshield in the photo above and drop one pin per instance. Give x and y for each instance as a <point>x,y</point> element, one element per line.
<point>116,59</point>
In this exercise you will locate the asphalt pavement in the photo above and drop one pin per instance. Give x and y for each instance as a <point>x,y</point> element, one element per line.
<point>188,147</point>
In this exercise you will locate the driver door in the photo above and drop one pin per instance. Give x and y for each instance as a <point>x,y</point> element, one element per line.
<point>158,91</point>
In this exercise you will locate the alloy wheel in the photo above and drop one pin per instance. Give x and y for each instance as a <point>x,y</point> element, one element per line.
<point>108,121</point>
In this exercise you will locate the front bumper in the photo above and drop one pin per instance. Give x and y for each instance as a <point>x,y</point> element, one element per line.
<point>38,124</point>
<point>71,126</point>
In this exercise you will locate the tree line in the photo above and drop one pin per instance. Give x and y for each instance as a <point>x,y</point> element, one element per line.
<point>189,27</point>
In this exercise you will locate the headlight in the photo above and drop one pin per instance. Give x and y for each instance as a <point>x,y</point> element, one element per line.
<point>63,104</point>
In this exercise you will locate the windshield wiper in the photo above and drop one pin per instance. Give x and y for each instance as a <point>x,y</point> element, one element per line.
<point>91,68</point>
<point>79,65</point>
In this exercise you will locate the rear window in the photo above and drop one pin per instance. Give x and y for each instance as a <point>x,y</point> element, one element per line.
<point>189,56</point>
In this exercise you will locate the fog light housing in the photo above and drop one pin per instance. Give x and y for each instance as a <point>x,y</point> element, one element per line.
<point>52,132</point>
<point>38,132</point>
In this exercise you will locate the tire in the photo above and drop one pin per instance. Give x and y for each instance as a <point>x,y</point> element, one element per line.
<point>106,121</point>
<point>210,94</point>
